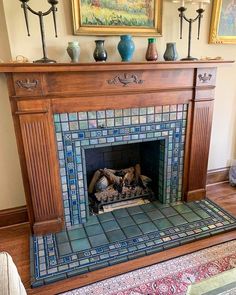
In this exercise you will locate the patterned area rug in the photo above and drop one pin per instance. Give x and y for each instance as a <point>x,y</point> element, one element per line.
<point>167,278</point>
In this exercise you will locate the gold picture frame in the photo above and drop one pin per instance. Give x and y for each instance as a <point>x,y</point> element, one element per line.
<point>90,19</point>
<point>223,22</point>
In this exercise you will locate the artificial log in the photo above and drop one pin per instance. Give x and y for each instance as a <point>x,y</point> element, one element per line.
<point>94,180</point>
<point>137,172</point>
<point>109,185</point>
<point>111,176</point>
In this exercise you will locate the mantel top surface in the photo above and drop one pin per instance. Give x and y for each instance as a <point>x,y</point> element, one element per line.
<point>78,67</point>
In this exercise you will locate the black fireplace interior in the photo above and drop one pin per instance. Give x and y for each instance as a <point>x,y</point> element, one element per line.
<point>118,157</point>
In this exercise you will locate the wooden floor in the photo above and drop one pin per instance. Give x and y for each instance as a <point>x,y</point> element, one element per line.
<point>15,240</point>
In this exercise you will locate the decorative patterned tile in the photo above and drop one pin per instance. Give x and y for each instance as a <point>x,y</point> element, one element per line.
<point>76,132</point>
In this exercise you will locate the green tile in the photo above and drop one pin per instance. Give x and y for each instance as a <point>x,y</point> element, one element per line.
<point>147,227</point>
<point>76,234</point>
<point>115,235</point>
<point>190,217</point>
<point>140,218</point>
<point>177,220</point>
<point>93,230</point>
<point>110,225</point>
<point>171,245</point>
<point>125,221</point>
<point>55,278</point>
<point>168,211</point>
<point>64,249</point>
<point>77,272</point>
<point>132,231</point>
<point>98,266</point>
<point>92,220</point>
<point>134,210</point>
<point>181,208</point>
<point>193,205</point>
<point>106,217</point>
<point>118,260</point>
<point>162,223</point>
<point>79,245</point>
<point>154,250</point>
<point>159,205</point>
<point>136,255</point>
<point>98,240</point>
<point>61,237</point>
<point>37,283</point>
<point>202,213</point>
<point>148,207</point>
<point>156,214</point>
<point>120,213</point>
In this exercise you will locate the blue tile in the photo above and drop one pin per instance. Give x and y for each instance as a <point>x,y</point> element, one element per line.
<point>81,244</point>
<point>98,240</point>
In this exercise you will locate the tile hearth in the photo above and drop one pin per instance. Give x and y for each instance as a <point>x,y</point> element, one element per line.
<point>123,235</point>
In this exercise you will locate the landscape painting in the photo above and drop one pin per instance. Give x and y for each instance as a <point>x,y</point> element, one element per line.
<point>223,25</point>
<point>108,17</point>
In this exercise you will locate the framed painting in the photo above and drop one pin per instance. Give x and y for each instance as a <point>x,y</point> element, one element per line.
<point>223,22</point>
<point>116,17</point>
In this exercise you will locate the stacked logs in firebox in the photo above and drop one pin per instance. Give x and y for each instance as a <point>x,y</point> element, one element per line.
<point>110,185</point>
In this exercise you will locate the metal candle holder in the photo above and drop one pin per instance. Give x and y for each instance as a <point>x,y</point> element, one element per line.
<point>41,14</point>
<point>190,22</point>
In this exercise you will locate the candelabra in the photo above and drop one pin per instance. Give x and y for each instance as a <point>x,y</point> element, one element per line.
<point>41,15</point>
<point>190,21</point>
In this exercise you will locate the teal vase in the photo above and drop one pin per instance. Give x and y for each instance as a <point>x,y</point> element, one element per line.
<point>171,52</point>
<point>73,50</point>
<point>126,47</point>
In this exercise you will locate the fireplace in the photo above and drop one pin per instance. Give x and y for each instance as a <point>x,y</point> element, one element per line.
<point>73,120</point>
<point>153,136</point>
<point>57,107</point>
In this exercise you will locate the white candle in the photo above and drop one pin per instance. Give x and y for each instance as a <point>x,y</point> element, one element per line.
<point>182,3</point>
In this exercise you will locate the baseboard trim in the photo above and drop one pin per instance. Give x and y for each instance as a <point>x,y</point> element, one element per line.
<point>13,216</point>
<point>217,175</point>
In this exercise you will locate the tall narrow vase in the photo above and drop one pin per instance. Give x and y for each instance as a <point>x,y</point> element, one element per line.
<point>171,52</point>
<point>100,53</point>
<point>73,50</point>
<point>126,47</point>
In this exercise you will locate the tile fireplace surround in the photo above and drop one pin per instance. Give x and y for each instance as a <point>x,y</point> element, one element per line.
<point>63,112</point>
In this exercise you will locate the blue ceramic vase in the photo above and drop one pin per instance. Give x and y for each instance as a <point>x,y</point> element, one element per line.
<point>126,47</point>
<point>171,52</point>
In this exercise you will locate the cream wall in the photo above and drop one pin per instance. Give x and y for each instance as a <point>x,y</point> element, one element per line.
<point>223,143</point>
<point>11,188</point>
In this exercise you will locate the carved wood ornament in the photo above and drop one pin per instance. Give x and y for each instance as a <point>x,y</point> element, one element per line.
<point>27,84</point>
<point>125,79</point>
<point>204,78</point>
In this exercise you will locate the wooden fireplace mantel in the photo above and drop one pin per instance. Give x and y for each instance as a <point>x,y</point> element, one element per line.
<point>38,91</point>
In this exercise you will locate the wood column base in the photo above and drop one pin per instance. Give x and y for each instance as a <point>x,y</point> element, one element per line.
<point>196,195</point>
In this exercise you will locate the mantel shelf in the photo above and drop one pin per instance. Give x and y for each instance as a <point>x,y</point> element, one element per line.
<point>108,66</point>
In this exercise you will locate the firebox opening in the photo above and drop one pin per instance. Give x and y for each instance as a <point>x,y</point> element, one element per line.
<point>123,175</point>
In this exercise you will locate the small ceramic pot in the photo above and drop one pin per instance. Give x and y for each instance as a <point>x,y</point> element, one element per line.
<point>171,52</point>
<point>151,54</point>
<point>100,53</point>
<point>73,50</point>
